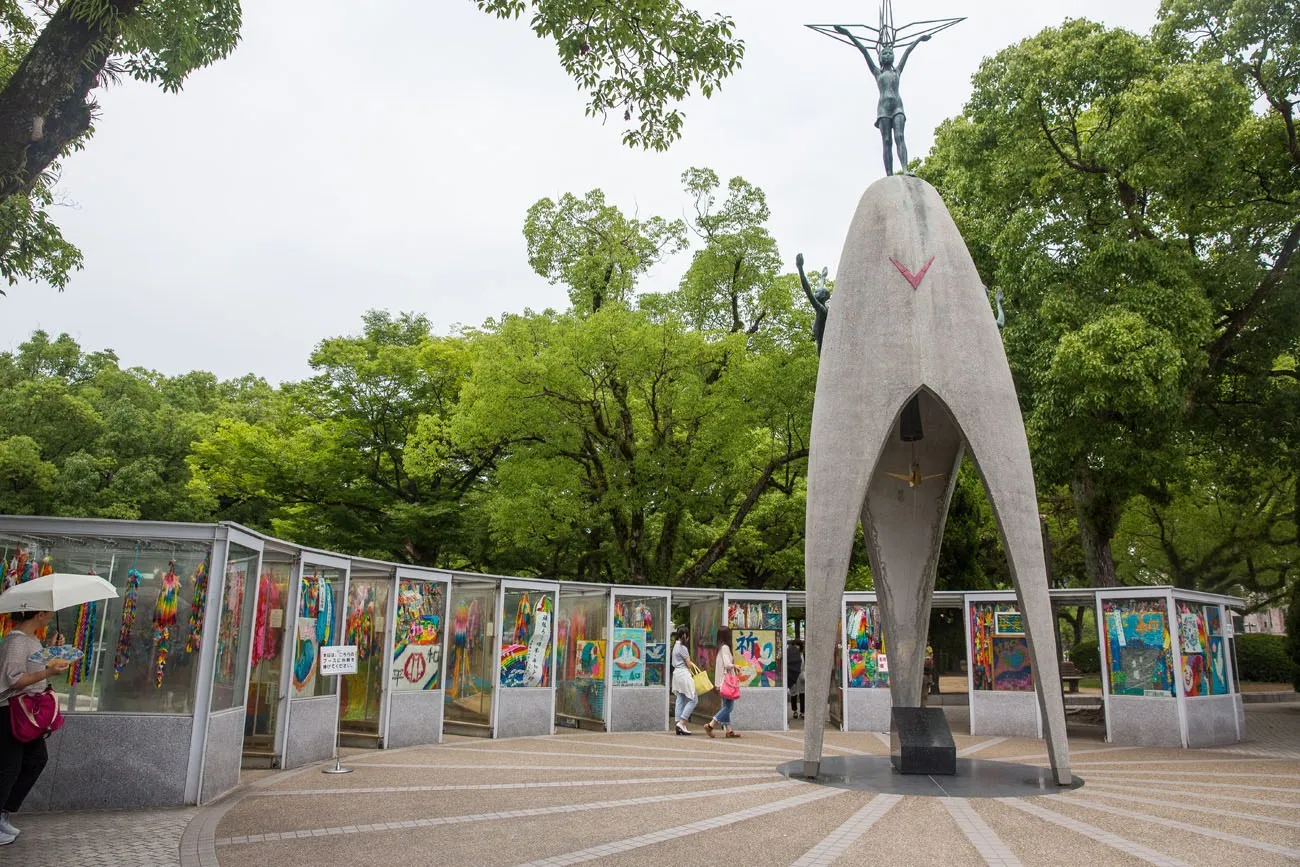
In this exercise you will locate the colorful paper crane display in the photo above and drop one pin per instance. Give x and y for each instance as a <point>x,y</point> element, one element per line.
<point>164,621</point>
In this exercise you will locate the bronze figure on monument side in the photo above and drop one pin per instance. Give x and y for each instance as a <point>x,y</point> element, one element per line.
<point>820,300</point>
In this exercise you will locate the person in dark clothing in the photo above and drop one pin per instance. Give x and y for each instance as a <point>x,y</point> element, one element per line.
<point>21,762</point>
<point>794,673</point>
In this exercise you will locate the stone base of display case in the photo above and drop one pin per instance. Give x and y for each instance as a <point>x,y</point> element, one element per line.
<point>313,724</point>
<point>414,718</point>
<point>638,709</point>
<point>867,710</point>
<point>524,712</point>
<point>761,710</point>
<point>1143,721</point>
<point>115,761</point>
<point>1005,714</point>
<point>1212,720</point>
<point>222,756</point>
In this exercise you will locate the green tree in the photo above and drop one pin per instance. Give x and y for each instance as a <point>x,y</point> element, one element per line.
<point>596,251</point>
<point>357,458</point>
<point>83,437</point>
<point>638,442</point>
<point>1230,527</point>
<point>1112,189</point>
<point>732,283</point>
<point>51,62</point>
<point>635,59</point>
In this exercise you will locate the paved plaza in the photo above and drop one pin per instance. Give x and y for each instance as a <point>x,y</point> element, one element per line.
<point>630,799</point>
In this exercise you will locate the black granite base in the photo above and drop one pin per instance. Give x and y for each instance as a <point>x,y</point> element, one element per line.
<point>975,778</point>
<point>921,742</point>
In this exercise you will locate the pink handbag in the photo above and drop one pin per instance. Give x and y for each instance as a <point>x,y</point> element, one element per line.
<point>34,716</point>
<point>730,687</point>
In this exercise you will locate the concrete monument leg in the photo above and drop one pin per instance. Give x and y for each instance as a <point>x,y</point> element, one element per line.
<point>834,512</point>
<point>845,447</point>
<point>1001,453</point>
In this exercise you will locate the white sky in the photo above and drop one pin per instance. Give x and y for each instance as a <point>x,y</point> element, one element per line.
<point>355,155</point>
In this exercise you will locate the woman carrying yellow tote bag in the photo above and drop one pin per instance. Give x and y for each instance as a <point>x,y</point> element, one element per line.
<point>686,677</point>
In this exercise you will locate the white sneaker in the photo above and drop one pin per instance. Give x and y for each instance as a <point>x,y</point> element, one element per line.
<point>6,839</point>
<point>7,827</point>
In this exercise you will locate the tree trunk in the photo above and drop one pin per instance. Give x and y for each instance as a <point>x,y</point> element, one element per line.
<point>1096,529</point>
<point>719,547</point>
<point>1076,623</point>
<point>45,106</point>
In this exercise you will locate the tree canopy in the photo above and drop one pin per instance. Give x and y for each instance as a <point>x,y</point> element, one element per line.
<point>1141,216</point>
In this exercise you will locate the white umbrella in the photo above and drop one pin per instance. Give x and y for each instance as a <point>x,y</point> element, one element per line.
<point>52,592</point>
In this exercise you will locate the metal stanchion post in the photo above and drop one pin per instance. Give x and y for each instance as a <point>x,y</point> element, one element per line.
<point>339,660</point>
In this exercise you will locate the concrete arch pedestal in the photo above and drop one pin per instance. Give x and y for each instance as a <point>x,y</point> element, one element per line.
<point>910,318</point>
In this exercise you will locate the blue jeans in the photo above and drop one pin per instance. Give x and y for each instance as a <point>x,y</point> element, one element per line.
<point>685,706</point>
<point>724,715</point>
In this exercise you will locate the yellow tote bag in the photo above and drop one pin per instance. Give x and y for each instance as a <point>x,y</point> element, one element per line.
<point>701,680</point>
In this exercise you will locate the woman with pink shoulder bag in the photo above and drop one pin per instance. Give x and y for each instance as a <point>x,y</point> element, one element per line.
<point>728,680</point>
<point>21,762</point>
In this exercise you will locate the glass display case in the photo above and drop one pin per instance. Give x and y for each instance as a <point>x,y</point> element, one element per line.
<point>419,635</point>
<point>582,653</point>
<point>706,620</point>
<point>234,628</point>
<point>140,649</point>
<point>527,626</point>
<point>316,625</point>
<point>471,666</point>
<point>757,640</point>
<point>864,646</point>
<point>1194,649</point>
<point>1138,653</point>
<point>639,652</point>
<point>267,663</point>
<point>1217,655</point>
<point>364,626</point>
<point>999,650</point>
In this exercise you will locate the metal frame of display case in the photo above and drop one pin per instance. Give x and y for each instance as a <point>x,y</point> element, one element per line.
<point>435,696</point>
<point>530,706</point>
<point>201,741</point>
<point>642,702</point>
<point>862,709</point>
<point>390,577</point>
<point>762,708</point>
<point>994,712</point>
<point>1208,720</point>
<point>284,737</point>
<point>1164,721</point>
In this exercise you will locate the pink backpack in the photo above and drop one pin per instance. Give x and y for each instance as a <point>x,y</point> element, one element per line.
<point>34,716</point>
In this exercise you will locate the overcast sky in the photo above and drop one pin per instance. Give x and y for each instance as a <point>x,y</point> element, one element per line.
<point>355,155</point>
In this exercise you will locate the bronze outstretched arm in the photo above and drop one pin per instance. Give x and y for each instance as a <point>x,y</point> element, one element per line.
<point>908,53</point>
<point>866,52</point>
<point>807,288</point>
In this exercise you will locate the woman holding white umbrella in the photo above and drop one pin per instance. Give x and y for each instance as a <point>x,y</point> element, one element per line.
<point>21,763</point>
<point>32,605</point>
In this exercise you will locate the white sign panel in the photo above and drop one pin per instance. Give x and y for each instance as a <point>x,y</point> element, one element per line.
<point>338,659</point>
